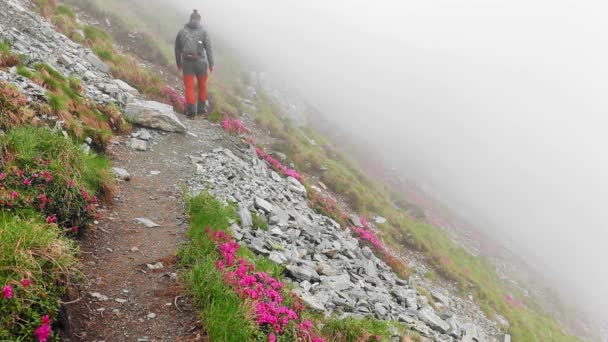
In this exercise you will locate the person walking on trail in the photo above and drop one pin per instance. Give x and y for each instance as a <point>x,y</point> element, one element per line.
<point>194,58</point>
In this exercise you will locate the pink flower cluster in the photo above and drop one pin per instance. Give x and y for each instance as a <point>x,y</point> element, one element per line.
<point>369,237</point>
<point>262,291</point>
<point>44,330</point>
<point>7,292</point>
<point>178,101</point>
<point>278,166</point>
<point>233,126</point>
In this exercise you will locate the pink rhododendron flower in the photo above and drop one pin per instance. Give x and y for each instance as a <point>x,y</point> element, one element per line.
<point>51,219</point>
<point>7,292</point>
<point>369,236</point>
<point>27,182</point>
<point>44,331</point>
<point>272,338</point>
<point>26,282</point>
<point>71,183</point>
<point>2,176</point>
<point>14,195</point>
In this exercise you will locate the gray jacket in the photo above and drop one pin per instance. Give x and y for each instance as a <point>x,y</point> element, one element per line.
<point>192,31</point>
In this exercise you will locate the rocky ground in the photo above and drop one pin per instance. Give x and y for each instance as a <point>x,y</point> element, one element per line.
<point>131,292</point>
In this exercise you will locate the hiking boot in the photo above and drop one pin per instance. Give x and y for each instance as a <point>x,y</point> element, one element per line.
<point>191,111</point>
<point>203,107</point>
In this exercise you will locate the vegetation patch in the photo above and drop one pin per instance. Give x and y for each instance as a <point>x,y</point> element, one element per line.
<point>232,285</point>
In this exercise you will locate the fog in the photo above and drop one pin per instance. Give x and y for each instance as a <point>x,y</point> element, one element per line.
<point>497,106</point>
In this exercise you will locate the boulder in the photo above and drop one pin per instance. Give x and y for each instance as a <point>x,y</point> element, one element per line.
<point>124,86</point>
<point>301,273</point>
<point>261,203</point>
<point>96,62</point>
<point>428,316</point>
<point>442,298</point>
<point>245,215</point>
<point>154,115</point>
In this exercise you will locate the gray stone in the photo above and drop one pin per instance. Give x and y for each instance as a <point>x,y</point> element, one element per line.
<point>337,283</point>
<point>325,269</point>
<point>310,300</point>
<point>278,257</point>
<point>65,61</point>
<point>124,86</point>
<point>301,273</point>
<point>154,115</point>
<point>428,316</point>
<point>275,176</point>
<point>121,173</point>
<point>406,319</point>
<point>138,144</point>
<point>146,222</point>
<point>245,216</point>
<point>442,298</point>
<point>379,220</point>
<point>455,329</point>
<point>157,266</point>
<point>296,186</point>
<point>96,62</point>
<point>111,89</point>
<point>471,333</point>
<point>356,221</point>
<point>380,310</point>
<point>261,203</point>
<point>145,135</point>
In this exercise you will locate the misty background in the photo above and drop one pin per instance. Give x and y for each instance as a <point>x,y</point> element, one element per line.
<point>498,108</point>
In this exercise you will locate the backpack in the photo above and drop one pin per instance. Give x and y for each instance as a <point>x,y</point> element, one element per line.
<point>192,42</point>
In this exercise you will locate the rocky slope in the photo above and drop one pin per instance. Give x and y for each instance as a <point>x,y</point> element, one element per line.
<point>332,271</point>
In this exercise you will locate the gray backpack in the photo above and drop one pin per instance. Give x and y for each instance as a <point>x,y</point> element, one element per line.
<point>192,42</point>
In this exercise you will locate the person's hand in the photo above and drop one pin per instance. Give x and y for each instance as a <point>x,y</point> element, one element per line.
<point>210,69</point>
<point>179,69</point>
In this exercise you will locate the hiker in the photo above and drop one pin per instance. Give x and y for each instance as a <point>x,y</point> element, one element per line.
<point>194,58</point>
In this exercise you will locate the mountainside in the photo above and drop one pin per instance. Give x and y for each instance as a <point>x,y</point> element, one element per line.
<point>236,226</point>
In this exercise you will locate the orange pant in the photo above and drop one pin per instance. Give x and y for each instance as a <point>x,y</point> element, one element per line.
<point>189,81</point>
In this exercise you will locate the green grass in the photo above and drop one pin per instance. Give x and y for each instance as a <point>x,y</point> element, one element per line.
<point>259,222</point>
<point>218,305</point>
<point>358,330</point>
<point>97,35</point>
<point>65,10</point>
<point>32,250</point>
<point>5,47</point>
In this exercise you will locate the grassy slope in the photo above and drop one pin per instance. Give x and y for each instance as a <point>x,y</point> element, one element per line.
<point>474,275</point>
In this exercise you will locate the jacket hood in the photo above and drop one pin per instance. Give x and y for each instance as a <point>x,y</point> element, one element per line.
<point>193,25</point>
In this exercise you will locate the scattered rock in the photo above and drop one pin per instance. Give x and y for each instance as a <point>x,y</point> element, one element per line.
<point>96,62</point>
<point>99,296</point>
<point>157,266</point>
<point>121,174</point>
<point>138,144</point>
<point>146,222</point>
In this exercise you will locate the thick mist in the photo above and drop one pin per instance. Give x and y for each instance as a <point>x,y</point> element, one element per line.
<point>499,107</point>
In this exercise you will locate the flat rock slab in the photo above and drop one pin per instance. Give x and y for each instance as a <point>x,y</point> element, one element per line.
<point>146,222</point>
<point>154,115</point>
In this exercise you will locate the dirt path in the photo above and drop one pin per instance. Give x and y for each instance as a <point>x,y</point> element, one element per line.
<point>141,303</point>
